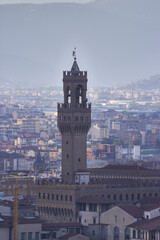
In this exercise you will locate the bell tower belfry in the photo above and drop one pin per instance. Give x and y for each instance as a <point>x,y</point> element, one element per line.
<point>74,121</point>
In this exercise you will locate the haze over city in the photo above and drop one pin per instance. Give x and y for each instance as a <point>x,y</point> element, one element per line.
<point>117,41</point>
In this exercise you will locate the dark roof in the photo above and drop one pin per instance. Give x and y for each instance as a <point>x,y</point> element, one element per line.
<point>10,155</point>
<point>150,225</point>
<point>75,68</point>
<point>124,167</point>
<point>133,210</point>
<point>57,226</point>
<point>151,207</point>
<point>66,236</point>
<point>149,201</point>
<point>29,220</point>
<point>6,221</point>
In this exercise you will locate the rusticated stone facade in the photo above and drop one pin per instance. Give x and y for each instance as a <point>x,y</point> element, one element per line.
<point>61,203</point>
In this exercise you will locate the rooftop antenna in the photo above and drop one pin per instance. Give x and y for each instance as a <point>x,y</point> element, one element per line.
<point>74,54</point>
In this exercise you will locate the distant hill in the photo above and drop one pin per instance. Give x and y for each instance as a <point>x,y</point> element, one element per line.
<point>146,84</point>
<point>117,41</point>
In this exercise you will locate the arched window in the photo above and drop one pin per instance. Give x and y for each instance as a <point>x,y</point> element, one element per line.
<point>127,196</point>
<point>79,94</point>
<point>127,234</point>
<point>120,197</point>
<point>114,197</point>
<point>68,95</point>
<point>116,233</point>
<point>132,196</point>
<point>139,234</point>
<point>134,233</point>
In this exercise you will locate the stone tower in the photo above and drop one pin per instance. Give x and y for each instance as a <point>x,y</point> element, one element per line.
<point>74,121</point>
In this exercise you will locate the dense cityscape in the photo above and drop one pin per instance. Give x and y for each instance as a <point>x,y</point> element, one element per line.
<point>123,141</point>
<point>79,120</point>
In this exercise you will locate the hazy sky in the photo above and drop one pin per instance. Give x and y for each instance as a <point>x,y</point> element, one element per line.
<point>118,41</point>
<point>42,1</point>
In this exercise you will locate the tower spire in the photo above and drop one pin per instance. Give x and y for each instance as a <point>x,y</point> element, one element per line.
<point>74,121</point>
<point>75,69</point>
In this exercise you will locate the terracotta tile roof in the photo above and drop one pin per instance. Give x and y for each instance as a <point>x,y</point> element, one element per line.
<point>149,200</point>
<point>123,168</point>
<point>150,225</point>
<point>151,207</point>
<point>133,210</point>
<point>29,220</point>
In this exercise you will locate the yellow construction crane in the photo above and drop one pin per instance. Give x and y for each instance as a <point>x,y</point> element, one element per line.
<point>15,189</point>
<point>15,212</point>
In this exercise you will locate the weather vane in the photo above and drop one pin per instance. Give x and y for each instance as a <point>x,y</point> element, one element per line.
<point>74,53</point>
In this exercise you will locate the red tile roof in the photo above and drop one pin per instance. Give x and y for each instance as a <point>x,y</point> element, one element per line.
<point>150,225</point>
<point>133,210</point>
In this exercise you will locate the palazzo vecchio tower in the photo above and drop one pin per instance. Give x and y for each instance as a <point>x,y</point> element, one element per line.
<point>74,121</point>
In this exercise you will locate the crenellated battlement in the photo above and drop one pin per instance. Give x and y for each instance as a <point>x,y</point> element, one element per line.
<point>77,74</point>
<point>83,106</point>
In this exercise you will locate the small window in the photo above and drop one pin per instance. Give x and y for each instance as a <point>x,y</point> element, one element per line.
<point>66,198</point>
<point>57,197</point>
<point>70,198</point>
<point>54,234</point>
<point>94,220</point>
<point>127,197</point>
<point>43,195</point>
<point>52,196</point>
<point>39,195</point>
<point>134,234</point>
<point>79,159</point>
<point>36,235</point>
<point>66,142</point>
<point>48,196</point>
<point>22,236</point>
<point>81,119</point>
<point>67,173</point>
<point>132,196</point>
<point>67,155</point>
<point>30,236</point>
<point>61,197</point>
<point>120,197</point>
